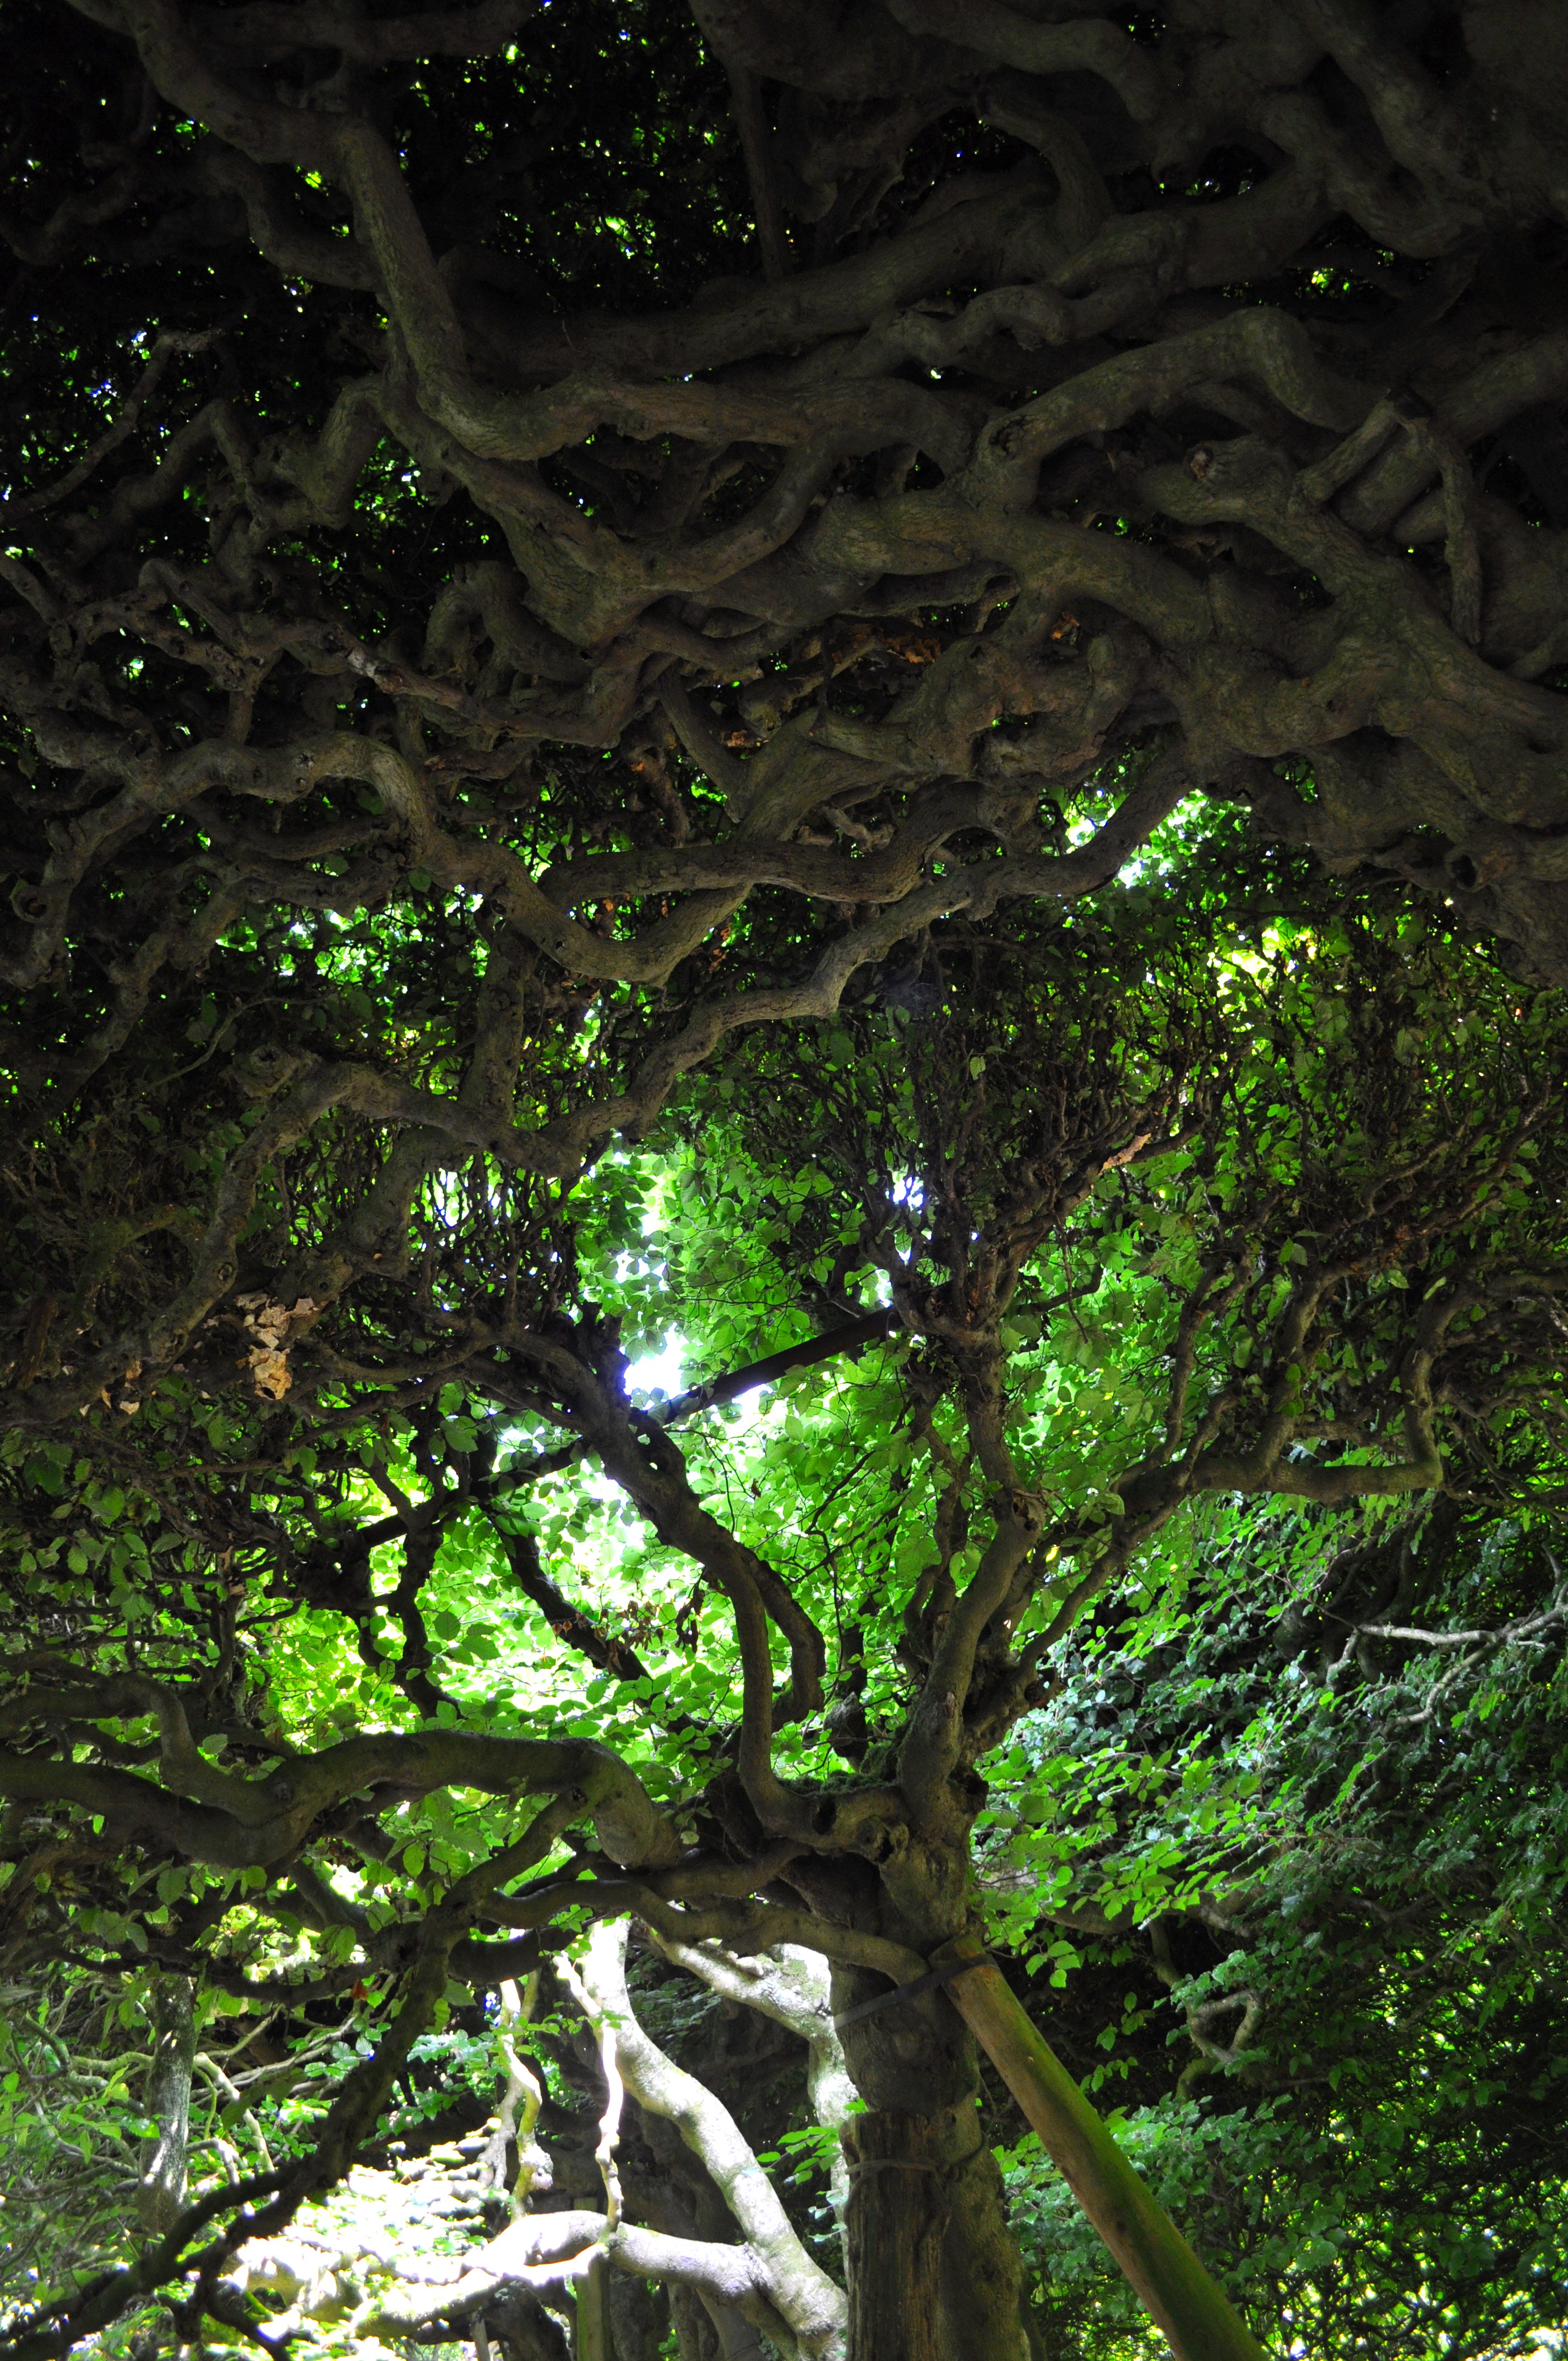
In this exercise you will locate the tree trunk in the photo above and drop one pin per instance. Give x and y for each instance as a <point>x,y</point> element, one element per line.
<point>523,2329</point>
<point>161,2194</point>
<point>982,2271</point>
<point>696,2339</point>
<point>639,2318</point>
<point>933,2271</point>
<point>893,2230</point>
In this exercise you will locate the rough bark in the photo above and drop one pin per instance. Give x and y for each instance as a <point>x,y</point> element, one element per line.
<point>925,2212</point>
<point>910,2183</point>
<point>982,2279</point>
<point>894,2226</point>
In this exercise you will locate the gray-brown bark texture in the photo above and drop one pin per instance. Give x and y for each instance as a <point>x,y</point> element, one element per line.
<point>934,2274</point>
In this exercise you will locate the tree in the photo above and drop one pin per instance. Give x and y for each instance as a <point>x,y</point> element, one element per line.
<point>480,658</point>
<point>1364,2189</point>
<point>1330,1264</point>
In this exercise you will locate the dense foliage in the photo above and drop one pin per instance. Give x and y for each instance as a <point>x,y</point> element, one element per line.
<point>1344,1859</point>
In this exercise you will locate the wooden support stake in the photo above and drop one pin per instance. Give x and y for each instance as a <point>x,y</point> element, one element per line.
<point>1184,2303</point>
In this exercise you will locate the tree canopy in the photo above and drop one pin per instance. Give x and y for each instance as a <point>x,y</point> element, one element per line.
<point>870,708</point>
<point>1093,1278</point>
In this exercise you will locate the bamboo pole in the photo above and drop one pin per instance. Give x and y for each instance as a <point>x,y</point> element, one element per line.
<point>1184,2303</point>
